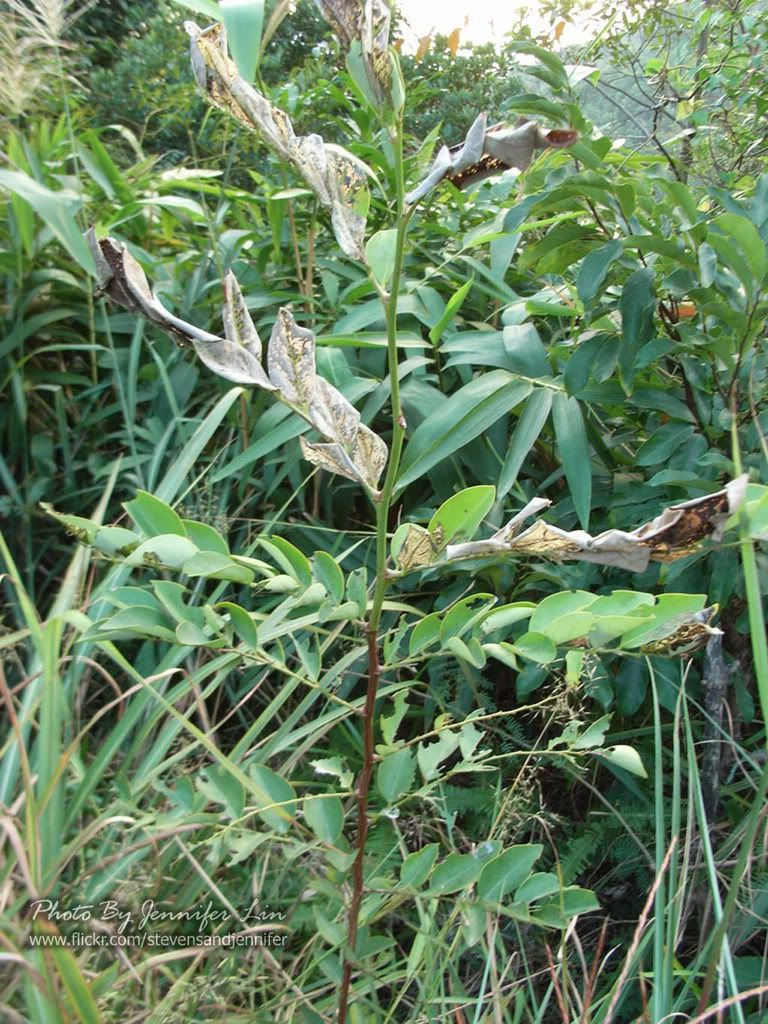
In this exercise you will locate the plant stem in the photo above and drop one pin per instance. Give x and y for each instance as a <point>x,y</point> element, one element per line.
<point>380,586</point>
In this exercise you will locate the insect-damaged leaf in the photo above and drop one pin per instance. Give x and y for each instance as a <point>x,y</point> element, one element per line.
<point>238,325</point>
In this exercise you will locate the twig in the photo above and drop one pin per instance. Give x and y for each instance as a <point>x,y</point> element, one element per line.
<point>363,792</point>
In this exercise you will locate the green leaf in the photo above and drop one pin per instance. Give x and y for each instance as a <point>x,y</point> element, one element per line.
<point>168,549</point>
<point>669,608</point>
<point>325,816</point>
<point>275,791</point>
<point>395,775</point>
<point>174,479</point>
<point>242,623</point>
<point>326,571</point>
<point>416,867</point>
<point>191,635</point>
<point>243,20</point>
<point>501,876</point>
<point>471,651</point>
<point>506,615</point>
<point>538,885</point>
<point>389,724</point>
<point>457,871</point>
<point>465,613</point>
<point>79,991</point>
<point>546,57</point>
<point>637,304</point>
<point>529,426</point>
<point>431,755</point>
<point>570,901</point>
<point>594,734</point>
<point>380,250</point>
<point>55,210</point>
<point>205,537</point>
<point>707,264</point>
<point>555,606</point>
<point>172,598</point>
<point>663,443</point>
<point>153,516</point>
<point>114,540</point>
<point>627,758</point>
<point>289,558</point>
<point>571,435</point>
<point>536,647</point>
<point>744,233</point>
<point>357,589</point>
<point>221,787</point>
<point>425,632</point>
<point>503,652</point>
<point>594,270</point>
<point>458,420</point>
<point>451,308</point>
<point>138,621</point>
<point>459,517</point>
<point>333,766</point>
<point>217,567</point>
<point>209,8</point>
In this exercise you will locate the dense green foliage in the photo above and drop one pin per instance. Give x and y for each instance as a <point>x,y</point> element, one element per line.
<point>203,632</point>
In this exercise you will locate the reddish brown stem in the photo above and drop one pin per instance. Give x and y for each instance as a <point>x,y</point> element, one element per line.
<point>363,791</point>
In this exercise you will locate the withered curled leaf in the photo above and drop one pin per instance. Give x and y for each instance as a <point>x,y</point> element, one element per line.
<point>365,22</point>
<point>337,178</point>
<point>684,634</point>
<point>676,532</point>
<point>291,361</point>
<point>236,357</point>
<point>486,151</point>
<point>415,549</point>
<point>353,450</point>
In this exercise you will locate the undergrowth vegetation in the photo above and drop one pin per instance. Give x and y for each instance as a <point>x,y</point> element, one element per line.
<point>408,664</point>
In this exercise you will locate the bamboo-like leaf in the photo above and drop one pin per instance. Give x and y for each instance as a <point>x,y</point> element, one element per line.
<point>529,426</point>
<point>571,435</point>
<point>55,209</point>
